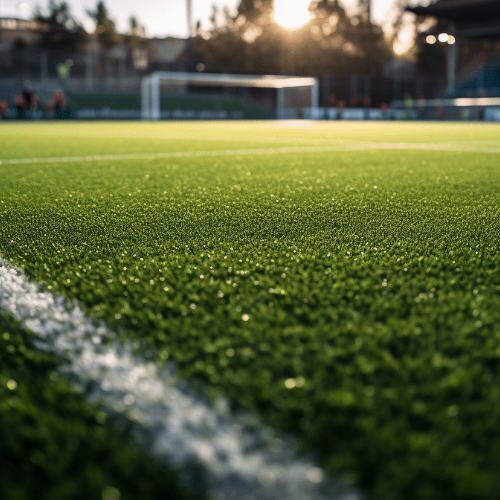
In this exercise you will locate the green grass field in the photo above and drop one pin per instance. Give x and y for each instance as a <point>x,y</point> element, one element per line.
<point>339,280</point>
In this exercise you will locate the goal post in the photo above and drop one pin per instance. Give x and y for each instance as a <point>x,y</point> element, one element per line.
<point>292,94</point>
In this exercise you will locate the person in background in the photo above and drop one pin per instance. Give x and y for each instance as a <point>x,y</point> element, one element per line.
<point>4,107</point>
<point>35,102</point>
<point>20,104</point>
<point>384,108</point>
<point>341,105</point>
<point>59,100</point>
<point>28,95</point>
<point>31,99</point>
<point>59,103</point>
<point>49,107</point>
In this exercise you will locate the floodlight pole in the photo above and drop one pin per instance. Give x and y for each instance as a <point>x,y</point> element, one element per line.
<point>189,42</point>
<point>452,65</point>
<point>452,68</point>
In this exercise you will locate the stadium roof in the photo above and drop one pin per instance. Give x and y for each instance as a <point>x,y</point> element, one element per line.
<point>472,18</point>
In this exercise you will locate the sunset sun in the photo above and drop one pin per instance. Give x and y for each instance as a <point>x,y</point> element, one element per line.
<point>291,14</point>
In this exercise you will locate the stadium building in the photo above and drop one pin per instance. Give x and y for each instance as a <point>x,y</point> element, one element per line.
<point>473,22</point>
<point>469,18</point>
<point>468,33</point>
<point>95,80</point>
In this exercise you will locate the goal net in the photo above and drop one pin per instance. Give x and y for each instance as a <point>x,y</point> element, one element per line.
<point>172,95</point>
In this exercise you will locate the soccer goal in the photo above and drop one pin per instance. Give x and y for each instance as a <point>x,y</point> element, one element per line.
<point>167,95</point>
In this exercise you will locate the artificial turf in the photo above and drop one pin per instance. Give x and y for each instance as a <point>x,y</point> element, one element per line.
<point>54,445</point>
<point>348,297</point>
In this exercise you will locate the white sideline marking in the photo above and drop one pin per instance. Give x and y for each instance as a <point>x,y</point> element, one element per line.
<point>452,148</point>
<point>241,464</point>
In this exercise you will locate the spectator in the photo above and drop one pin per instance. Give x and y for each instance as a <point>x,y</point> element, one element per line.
<point>384,108</point>
<point>341,106</point>
<point>20,103</point>
<point>59,100</point>
<point>4,107</point>
<point>28,95</point>
<point>49,107</point>
<point>35,102</point>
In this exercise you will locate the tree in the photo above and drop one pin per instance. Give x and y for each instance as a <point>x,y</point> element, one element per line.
<point>135,43</point>
<point>63,31</point>
<point>254,11</point>
<point>248,40</point>
<point>136,33</point>
<point>105,30</point>
<point>222,47</point>
<point>348,44</point>
<point>105,27</point>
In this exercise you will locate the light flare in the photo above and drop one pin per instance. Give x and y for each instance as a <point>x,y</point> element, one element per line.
<point>292,14</point>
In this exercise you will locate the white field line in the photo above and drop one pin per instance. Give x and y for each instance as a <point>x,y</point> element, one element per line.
<point>240,464</point>
<point>382,146</point>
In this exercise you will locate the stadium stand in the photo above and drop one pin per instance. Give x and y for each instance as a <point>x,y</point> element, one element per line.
<point>484,83</point>
<point>470,94</point>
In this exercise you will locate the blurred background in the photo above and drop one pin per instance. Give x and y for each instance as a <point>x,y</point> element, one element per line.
<point>371,58</point>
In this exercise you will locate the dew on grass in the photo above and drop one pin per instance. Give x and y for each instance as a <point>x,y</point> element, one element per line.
<point>11,385</point>
<point>110,493</point>
<point>128,400</point>
<point>315,475</point>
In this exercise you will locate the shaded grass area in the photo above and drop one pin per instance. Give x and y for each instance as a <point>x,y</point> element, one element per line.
<point>350,298</point>
<point>54,445</point>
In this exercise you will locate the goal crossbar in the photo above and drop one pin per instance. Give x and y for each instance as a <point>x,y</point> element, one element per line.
<point>150,88</point>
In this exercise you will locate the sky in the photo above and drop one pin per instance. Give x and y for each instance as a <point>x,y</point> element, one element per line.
<point>161,17</point>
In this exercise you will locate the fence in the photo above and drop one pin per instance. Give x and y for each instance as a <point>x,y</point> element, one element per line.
<point>362,91</point>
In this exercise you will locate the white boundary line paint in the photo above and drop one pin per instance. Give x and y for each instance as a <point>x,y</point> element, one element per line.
<point>240,464</point>
<point>450,148</point>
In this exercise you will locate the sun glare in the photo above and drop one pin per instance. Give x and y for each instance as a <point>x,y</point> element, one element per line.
<point>291,14</point>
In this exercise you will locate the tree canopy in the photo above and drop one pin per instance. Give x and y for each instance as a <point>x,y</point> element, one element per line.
<point>63,31</point>
<point>333,41</point>
<point>105,27</point>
